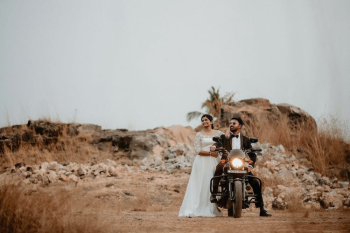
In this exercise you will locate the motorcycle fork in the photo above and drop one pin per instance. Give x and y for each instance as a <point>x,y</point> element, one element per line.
<point>243,191</point>
<point>231,187</point>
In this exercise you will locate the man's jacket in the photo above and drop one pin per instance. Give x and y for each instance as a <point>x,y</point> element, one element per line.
<point>245,144</point>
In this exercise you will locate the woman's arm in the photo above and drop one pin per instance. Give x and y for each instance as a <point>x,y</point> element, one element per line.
<point>208,153</point>
<point>198,146</point>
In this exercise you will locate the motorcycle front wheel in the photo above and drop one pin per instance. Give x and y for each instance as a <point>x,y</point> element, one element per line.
<point>236,209</point>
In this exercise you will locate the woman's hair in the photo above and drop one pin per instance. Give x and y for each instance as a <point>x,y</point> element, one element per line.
<point>210,118</point>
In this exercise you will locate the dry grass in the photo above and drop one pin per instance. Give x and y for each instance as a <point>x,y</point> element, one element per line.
<point>325,148</point>
<point>23,210</point>
<point>294,201</point>
<point>328,148</point>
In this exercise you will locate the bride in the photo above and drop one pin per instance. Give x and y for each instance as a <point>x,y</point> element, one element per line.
<point>197,197</point>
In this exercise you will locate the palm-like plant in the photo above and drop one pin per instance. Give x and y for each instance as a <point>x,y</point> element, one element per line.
<point>212,105</point>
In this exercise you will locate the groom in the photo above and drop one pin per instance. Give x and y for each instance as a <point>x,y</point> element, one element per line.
<point>239,141</point>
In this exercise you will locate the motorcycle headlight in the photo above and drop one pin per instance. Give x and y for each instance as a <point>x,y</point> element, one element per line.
<point>237,163</point>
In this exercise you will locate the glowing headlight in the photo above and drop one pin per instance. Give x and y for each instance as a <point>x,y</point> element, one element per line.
<point>237,163</point>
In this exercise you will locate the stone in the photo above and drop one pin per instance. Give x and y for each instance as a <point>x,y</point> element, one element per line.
<point>53,166</point>
<point>326,180</point>
<point>111,163</point>
<point>39,177</point>
<point>73,178</point>
<point>63,177</point>
<point>315,205</point>
<point>307,179</point>
<point>33,180</point>
<point>281,148</point>
<point>326,188</point>
<point>46,180</point>
<point>346,202</point>
<point>285,174</point>
<point>128,193</point>
<point>158,161</point>
<point>300,173</point>
<point>112,171</point>
<point>279,204</point>
<point>81,171</point>
<point>44,166</point>
<point>52,176</point>
<point>336,185</point>
<point>144,168</point>
<point>344,184</point>
<point>327,201</point>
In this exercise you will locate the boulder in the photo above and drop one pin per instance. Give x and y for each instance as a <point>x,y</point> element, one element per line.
<point>259,113</point>
<point>327,201</point>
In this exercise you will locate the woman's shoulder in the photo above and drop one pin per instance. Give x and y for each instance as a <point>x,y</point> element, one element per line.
<point>215,133</point>
<point>218,132</point>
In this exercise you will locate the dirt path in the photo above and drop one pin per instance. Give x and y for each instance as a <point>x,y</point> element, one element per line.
<point>139,201</point>
<point>281,221</point>
<point>149,202</point>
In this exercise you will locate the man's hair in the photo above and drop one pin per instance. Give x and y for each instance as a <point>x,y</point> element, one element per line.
<point>239,119</point>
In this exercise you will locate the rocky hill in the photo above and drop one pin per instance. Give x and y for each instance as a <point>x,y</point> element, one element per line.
<point>82,153</point>
<point>42,153</point>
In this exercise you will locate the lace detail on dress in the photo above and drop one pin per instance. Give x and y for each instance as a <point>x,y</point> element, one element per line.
<point>197,143</point>
<point>199,137</point>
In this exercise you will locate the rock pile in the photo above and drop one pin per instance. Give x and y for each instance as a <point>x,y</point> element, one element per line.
<point>291,182</point>
<point>53,172</point>
<point>179,157</point>
<point>288,181</point>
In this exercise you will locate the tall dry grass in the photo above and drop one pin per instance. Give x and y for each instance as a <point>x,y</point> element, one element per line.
<point>23,210</point>
<point>325,148</point>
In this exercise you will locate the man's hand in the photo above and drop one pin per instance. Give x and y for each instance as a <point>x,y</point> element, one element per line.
<point>228,134</point>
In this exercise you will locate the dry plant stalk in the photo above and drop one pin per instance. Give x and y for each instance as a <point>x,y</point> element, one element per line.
<point>23,210</point>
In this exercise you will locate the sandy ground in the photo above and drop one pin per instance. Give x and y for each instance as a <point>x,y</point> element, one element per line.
<point>139,201</point>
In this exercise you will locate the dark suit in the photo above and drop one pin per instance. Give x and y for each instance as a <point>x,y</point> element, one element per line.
<point>245,144</point>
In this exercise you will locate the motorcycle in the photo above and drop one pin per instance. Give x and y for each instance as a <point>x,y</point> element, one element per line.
<point>234,190</point>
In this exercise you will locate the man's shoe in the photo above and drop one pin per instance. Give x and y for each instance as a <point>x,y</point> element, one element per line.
<point>213,199</point>
<point>264,213</point>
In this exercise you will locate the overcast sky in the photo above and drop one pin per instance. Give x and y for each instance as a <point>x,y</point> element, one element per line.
<point>142,64</point>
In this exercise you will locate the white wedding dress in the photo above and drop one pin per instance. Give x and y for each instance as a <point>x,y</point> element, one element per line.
<point>197,197</point>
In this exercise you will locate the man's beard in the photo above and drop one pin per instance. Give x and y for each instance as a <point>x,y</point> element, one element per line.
<point>233,130</point>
